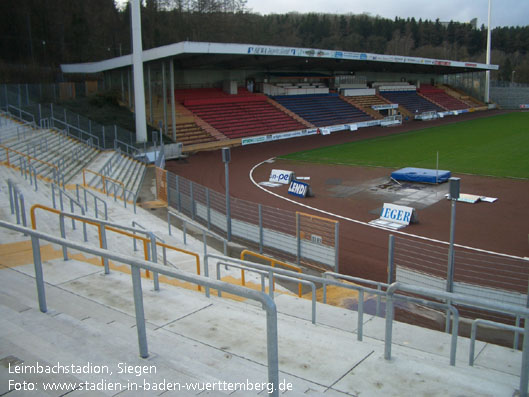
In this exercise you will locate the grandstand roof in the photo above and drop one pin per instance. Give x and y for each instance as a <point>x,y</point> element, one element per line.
<point>203,55</point>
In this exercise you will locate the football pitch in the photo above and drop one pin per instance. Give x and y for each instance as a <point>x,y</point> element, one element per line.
<point>496,146</point>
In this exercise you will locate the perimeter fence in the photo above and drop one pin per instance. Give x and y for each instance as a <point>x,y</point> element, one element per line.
<point>477,273</point>
<point>292,236</point>
<point>39,100</point>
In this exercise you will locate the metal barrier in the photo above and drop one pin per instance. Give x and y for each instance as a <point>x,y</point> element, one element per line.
<point>301,276</point>
<point>201,228</point>
<point>277,232</point>
<point>87,192</point>
<point>377,284</point>
<point>271,277</point>
<point>125,195</point>
<point>102,226</point>
<point>12,110</point>
<point>27,156</point>
<point>136,265</point>
<point>135,153</point>
<point>72,202</point>
<point>273,262</point>
<point>165,246</point>
<point>16,197</point>
<point>27,169</point>
<point>361,292</point>
<point>473,332</point>
<point>461,299</point>
<point>81,133</point>
<point>104,178</point>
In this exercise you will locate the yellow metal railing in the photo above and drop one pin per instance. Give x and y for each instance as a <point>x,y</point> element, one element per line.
<point>104,178</point>
<point>29,158</point>
<point>273,262</point>
<point>145,240</point>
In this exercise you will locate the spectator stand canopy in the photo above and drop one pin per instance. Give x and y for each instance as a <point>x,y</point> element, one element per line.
<point>204,55</point>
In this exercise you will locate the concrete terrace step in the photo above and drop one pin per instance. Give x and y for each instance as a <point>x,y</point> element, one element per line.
<point>123,169</point>
<point>192,338</point>
<point>51,148</point>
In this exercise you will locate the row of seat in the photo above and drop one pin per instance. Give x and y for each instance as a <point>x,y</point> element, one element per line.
<point>322,109</point>
<point>239,119</point>
<point>187,94</point>
<point>414,103</point>
<point>440,97</point>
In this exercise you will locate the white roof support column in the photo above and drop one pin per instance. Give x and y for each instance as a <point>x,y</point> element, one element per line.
<point>137,63</point>
<point>487,73</point>
<point>164,96</point>
<point>173,116</point>
<point>151,120</point>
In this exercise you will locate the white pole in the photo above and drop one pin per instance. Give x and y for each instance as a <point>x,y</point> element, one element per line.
<point>487,73</point>
<point>437,169</point>
<point>137,63</point>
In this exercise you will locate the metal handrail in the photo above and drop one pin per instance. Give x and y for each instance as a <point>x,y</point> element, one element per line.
<point>480,303</point>
<point>104,178</point>
<point>70,126</point>
<point>165,246</point>
<point>72,202</point>
<point>102,226</point>
<point>199,227</point>
<point>377,284</point>
<point>114,182</point>
<point>473,332</point>
<point>136,265</point>
<point>273,262</point>
<point>29,158</point>
<point>86,191</point>
<point>134,150</point>
<point>271,277</point>
<point>20,112</point>
<point>302,276</point>
<point>16,197</point>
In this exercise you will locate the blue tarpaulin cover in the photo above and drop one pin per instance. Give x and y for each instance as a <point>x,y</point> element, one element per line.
<point>423,175</point>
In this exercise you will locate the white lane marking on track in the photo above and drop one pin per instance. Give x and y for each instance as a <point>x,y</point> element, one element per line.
<point>367,224</point>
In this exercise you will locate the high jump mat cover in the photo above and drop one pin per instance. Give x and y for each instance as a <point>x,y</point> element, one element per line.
<point>423,175</point>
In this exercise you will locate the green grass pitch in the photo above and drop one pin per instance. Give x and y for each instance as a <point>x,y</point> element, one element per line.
<point>496,146</point>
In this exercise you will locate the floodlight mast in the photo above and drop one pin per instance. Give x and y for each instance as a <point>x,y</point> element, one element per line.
<point>487,73</point>
<point>137,68</point>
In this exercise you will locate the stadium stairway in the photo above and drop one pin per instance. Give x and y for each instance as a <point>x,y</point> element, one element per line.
<point>45,150</point>
<point>365,102</point>
<point>193,338</point>
<point>123,175</point>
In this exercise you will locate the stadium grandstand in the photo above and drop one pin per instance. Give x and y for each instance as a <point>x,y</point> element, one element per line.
<point>119,277</point>
<point>279,90</point>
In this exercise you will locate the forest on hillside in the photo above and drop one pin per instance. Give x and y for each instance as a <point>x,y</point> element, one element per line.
<point>38,35</point>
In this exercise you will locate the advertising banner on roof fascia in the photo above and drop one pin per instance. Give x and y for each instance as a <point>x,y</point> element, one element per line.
<point>282,51</point>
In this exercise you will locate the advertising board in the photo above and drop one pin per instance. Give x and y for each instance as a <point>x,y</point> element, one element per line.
<point>281,176</point>
<point>299,189</point>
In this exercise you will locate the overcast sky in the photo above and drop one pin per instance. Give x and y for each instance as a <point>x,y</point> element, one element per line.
<point>504,12</point>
